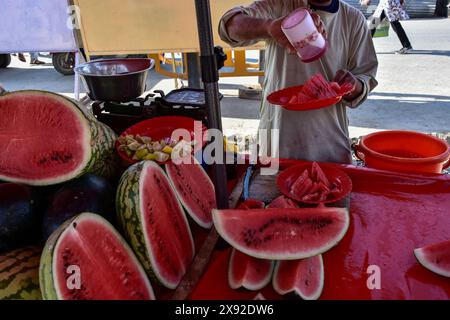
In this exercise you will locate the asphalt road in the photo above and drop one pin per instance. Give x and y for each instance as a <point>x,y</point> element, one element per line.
<point>412,94</point>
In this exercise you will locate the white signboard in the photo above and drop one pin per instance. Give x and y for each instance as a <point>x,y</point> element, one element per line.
<point>35,26</point>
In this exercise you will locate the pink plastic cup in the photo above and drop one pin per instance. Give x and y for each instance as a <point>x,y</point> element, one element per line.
<point>302,33</point>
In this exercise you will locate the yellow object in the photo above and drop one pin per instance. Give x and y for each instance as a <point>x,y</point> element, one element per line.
<point>141,154</point>
<point>167,150</point>
<point>230,146</point>
<point>113,27</point>
<point>151,157</point>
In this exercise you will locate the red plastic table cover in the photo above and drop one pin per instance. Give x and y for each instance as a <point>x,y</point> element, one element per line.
<point>391,215</point>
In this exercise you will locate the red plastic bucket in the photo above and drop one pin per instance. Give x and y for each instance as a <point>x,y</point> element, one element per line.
<point>404,151</point>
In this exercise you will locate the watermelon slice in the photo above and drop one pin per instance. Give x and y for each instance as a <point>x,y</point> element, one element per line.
<point>435,257</point>
<point>248,272</point>
<point>282,234</point>
<point>282,202</point>
<point>89,249</point>
<point>194,189</point>
<point>304,277</point>
<point>154,223</point>
<point>46,139</point>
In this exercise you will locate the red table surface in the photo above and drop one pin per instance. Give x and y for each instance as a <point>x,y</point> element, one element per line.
<point>391,215</point>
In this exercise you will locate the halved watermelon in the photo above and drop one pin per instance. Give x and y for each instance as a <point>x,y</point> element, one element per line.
<point>304,277</point>
<point>194,189</point>
<point>87,259</point>
<point>154,223</point>
<point>282,234</point>
<point>248,272</point>
<point>435,257</point>
<point>46,139</point>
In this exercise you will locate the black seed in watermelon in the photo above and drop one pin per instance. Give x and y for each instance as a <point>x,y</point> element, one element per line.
<point>18,217</point>
<point>107,268</point>
<point>89,193</point>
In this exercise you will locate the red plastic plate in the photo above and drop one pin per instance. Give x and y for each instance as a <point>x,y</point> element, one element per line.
<point>280,97</point>
<point>286,178</point>
<point>160,128</point>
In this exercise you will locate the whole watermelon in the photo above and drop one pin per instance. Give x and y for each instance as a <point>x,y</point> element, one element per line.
<point>89,193</point>
<point>19,274</point>
<point>19,217</point>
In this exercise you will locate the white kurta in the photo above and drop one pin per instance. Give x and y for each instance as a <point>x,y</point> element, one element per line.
<point>317,135</point>
<point>393,9</point>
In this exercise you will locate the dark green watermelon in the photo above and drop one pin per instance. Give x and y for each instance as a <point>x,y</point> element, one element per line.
<point>89,193</point>
<point>19,217</point>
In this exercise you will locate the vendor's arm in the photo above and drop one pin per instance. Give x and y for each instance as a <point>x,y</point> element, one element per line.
<point>362,64</point>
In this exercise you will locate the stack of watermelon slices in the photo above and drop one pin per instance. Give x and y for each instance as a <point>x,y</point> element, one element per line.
<point>318,88</point>
<point>315,186</point>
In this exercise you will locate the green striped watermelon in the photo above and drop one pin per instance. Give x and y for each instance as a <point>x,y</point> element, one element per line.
<point>19,274</point>
<point>49,139</point>
<point>154,223</point>
<point>107,267</point>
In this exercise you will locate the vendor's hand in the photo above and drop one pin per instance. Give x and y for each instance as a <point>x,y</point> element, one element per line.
<point>276,33</point>
<point>345,76</point>
<point>319,24</point>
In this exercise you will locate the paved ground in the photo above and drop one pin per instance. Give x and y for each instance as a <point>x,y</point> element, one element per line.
<point>413,92</point>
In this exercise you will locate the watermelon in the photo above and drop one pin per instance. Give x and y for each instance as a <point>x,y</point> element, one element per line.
<point>47,139</point>
<point>282,234</point>
<point>89,193</point>
<point>303,277</point>
<point>19,217</point>
<point>107,268</point>
<point>435,257</point>
<point>248,272</point>
<point>19,274</point>
<point>282,202</point>
<point>154,223</point>
<point>194,189</point>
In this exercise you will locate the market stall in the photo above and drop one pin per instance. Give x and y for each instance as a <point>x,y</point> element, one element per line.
<point>125,198</point>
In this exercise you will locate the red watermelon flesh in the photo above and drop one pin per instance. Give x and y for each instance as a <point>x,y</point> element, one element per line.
<point>167,232</point>
<point>304,277</point>
<point>248,272</point>
<point>282,202</point>
<point>108,268</point>
<point>252,204</point>
<point>282,234</point>
<point>194,189</point>
<point>43,137</point>
<point>435,257</point>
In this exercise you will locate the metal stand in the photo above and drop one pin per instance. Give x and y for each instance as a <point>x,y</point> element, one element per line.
<point>210,77</point>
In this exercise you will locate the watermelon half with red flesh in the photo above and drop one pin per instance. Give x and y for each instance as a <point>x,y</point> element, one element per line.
<point>248,272</point>
<point>46,139</point>
<point>154,223</point>
<point>282,234</point>
<point>87,259</point>
<point>304,277</point>
<point>194,189</point>
<point>435,258</point>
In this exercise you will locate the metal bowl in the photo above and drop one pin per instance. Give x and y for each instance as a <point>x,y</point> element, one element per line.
<point>115,80</point>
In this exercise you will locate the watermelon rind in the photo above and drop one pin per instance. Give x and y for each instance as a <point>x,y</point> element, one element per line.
<point>19,274</point>
<point>98,155</point>
<point>316,295</point>
<point>247,284</point>
<point>187,206</point>
<point>47,277</point>
<point>429,264</point>
<point>281,255</point>
<point>131,217</point>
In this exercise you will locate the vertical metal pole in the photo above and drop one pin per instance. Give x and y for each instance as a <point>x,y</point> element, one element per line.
<point>210,78</point>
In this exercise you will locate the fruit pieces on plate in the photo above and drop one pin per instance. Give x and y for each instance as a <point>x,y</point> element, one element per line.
<point>318,88</point>
<point>314,186</point>
<point>141,148</point>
